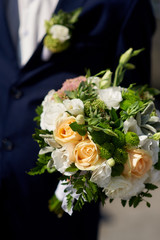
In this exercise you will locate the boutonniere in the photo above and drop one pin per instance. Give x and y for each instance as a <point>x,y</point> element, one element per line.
<point>59,30</point>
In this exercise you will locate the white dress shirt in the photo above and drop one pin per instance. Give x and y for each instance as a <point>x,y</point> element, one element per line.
<point>31,16</point>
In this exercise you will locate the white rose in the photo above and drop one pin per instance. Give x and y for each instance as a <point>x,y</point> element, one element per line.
<point>120,187</point>
<point>102,175</point>
<point>60,32</point>
<point>48,98</point>
<point>111,96</point>
<point>74,106</point>
<point>154,176</point>
<point>61,160</point>
<point>130,125</point>
<point>51,113</point>
<point>151,146</point>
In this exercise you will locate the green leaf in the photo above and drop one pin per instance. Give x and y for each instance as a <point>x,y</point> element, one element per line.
<point>69,201</point>
<point>38,170</point>
<point>136,52</point>
<point>72,169</point>
<point>150,186</point>
<point>123,202</point>
<point>148,204</point>
<point>80,128</point>
<point>79,204</point>
<point>99,137</point>
<point>74,15</point>
<point>71,94</point>
<point>39,111</point>
<point>137,202</point>
<point>93,187</point>
<point>131,201</point>
<point>146,194</point>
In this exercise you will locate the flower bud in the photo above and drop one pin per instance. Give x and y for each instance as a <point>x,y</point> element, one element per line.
<point>80,119</point>
<point>125,57</point>
<point>105,82</point>
<point>111,162</point>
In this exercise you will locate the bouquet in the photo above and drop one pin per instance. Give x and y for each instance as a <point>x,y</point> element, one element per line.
<point>102,138</point>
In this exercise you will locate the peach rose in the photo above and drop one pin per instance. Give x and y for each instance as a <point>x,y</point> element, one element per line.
<point>139,163</point>
<point>64,134</point>
<point>86,155</point>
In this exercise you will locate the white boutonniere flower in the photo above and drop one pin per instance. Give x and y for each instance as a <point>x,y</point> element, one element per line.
<point>59,31</point>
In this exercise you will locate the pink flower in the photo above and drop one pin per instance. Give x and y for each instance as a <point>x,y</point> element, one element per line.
<point>70,85</point>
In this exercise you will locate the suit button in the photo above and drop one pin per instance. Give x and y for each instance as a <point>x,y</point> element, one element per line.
<point>7,144</point>
<point>16,93</point>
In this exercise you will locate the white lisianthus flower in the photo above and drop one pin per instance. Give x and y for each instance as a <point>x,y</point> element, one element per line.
<point>60,32</point>
<point>130,125</point>
<point>102,175</point>
<point>61,160</point>
<point>154,176</point>
<point>123,188</point>
<point>74,106</point>
<point>51,113</point>
<point>151,146</point>
<point>111,96</point>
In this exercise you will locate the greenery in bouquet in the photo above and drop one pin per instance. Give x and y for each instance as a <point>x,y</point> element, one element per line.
<point>102,138</point>
<point>59,30</point>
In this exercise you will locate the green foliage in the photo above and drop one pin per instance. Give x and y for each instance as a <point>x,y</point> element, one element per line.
<point>41,165</point>
<point>39,111</point>
<point>98,105</point>
<point>118,141</point>
<point>72,168</point>
<point>86,91</point>
<point>55,45</point>
<point>124,65</point>
<point>131,109</point>
<point>130,95</point>
<point>132,139</point>
<point>69,201</point>
<point>99,137</point>
<point>36,136</point>
<point>136,200</point>
<point>55,206</point>
<point>87,108</point>
<point>80,128</point>
<point>106,150</point>
<point>120,155</point>
<point>117,169</point>
<point>87,190</point>
<point>63,18</point>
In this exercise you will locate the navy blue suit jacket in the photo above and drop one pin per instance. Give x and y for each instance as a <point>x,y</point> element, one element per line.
<point>106,28</point>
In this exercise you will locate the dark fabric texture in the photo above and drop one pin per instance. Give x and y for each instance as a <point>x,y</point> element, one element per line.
<point>106,28</point>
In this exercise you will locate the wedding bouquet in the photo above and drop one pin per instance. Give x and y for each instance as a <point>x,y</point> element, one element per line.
<point>102,138</point>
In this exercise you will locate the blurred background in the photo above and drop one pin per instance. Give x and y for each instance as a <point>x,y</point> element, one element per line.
<point>141,223</point>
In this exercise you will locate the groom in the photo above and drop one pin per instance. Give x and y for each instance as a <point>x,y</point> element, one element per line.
<point>105,29</point>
